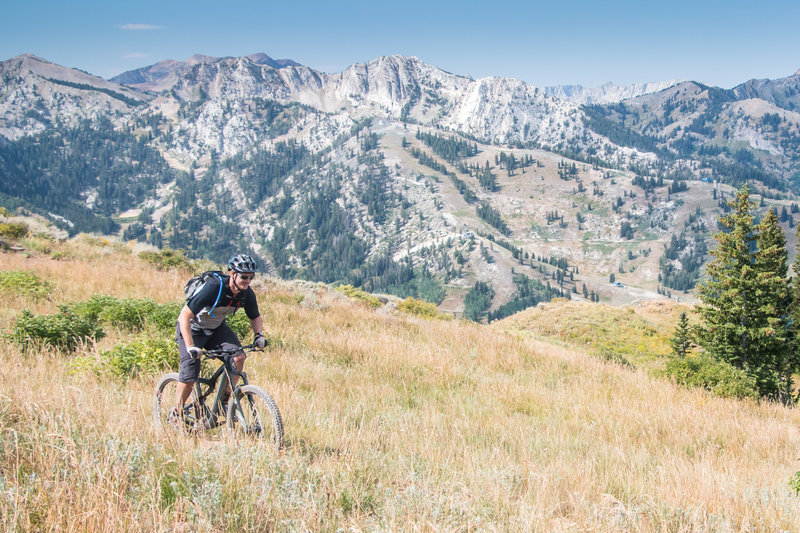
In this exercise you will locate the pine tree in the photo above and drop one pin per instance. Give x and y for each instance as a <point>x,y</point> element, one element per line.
<point>728,302</point>
<point>745,298</point>
<point>774,366</point>
<point>794,312</point>
<point>681,340</point>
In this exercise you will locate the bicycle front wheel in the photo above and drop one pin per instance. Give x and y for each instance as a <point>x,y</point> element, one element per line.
<point>253,414</point>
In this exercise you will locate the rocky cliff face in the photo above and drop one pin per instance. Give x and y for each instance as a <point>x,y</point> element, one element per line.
<point>493,109</point>
<point>34,93</point>
<point>218,92</point>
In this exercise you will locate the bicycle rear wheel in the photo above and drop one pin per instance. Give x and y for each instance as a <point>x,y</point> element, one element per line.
<point>253,414</point>
<point>164,398</point>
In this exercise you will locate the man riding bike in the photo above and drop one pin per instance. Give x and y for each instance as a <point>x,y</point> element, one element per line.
<point>201,323</point>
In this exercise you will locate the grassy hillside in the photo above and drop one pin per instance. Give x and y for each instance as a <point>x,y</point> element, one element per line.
<point>393,422</point>
<point>636,334</point>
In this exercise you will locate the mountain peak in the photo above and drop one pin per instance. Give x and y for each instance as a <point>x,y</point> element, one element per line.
<point>261,58</point>
<point>29,56</point>
<point>161,75</point>
<point>200,59</point>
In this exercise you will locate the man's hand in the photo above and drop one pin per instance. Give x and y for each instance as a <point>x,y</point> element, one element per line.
<point>194,351</point>
<point>259,340</point>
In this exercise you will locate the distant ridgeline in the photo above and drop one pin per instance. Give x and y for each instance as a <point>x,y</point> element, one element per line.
<point>648,123</point>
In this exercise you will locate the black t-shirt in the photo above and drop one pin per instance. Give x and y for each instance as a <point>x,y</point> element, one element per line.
<point>208,318</point>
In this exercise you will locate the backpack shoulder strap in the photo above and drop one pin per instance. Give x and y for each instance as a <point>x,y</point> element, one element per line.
<point>219,294</point>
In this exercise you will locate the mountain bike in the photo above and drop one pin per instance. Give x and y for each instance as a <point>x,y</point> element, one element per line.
<point>250,412</point>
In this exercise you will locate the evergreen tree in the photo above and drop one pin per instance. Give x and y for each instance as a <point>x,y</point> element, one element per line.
<point>745,298</point>
<point>728,302</point>
<point>771,262</point>
<point>794,313</point>
<point>478,300</point>
<point>681,341</point>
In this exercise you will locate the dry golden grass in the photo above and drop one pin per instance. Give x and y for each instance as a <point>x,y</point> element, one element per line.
<point>393,423</point>
<point>637,334</point>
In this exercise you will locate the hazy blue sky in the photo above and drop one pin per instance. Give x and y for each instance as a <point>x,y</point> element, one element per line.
<point>542,43</point>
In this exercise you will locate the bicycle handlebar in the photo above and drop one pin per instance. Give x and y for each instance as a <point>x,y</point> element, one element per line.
<point>222,353</point>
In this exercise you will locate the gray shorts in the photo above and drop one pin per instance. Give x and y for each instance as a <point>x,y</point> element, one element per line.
<point>222,338</point>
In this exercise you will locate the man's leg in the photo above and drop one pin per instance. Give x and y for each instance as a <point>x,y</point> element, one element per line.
<point>189,370</point>
<point>184,390</point>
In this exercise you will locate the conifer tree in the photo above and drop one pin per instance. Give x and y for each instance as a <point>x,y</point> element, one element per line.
<point>745,298</point>
<point>774,367</point>
<point>681,340</point>
<point>728,303</point>
<point>794,313</point>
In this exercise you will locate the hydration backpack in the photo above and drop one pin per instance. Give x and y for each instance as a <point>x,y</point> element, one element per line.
<point>196,284</point>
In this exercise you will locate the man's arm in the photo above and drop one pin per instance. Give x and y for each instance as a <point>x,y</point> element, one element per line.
<point>257,324</point>
<point>259,340</point>
<point>185,323</point>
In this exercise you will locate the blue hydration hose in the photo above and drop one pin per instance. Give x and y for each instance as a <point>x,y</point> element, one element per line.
<point>219,295</point>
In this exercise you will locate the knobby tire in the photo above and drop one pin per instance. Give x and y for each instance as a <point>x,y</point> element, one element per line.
<point>254,414</point>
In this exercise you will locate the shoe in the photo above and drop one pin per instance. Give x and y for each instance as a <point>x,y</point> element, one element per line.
<point>181,422</point>
<point>175,420</point>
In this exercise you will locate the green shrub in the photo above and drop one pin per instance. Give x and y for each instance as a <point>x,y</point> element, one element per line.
<point>37,243</point>
<point>25,283</point>
<point>416,307</point>
<point>358,294</point>
<point>13,230</point>
<point>62,256</point>
<point>167,259</point>
<point>62,331</point>
<point>4,212</point>
<point>129,314</point>
<point>92,307</point>
<point>794,483</point>
<point>718,377</point>
<point>143,356</point>
<point>164,317</point>
<point>240,325</point>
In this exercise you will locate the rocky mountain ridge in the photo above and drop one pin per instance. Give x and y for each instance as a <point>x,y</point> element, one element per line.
<point>608,93</point>
<point>35,92</point>
<point>394,166</point>
<point>162,75</point>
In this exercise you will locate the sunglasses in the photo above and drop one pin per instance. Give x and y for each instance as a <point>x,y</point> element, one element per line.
<point>246,277</point>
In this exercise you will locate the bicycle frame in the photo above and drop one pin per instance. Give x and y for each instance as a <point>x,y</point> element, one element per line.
<point>204,387</point>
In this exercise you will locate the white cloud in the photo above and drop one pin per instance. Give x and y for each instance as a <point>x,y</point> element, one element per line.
<point>141,27</point>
